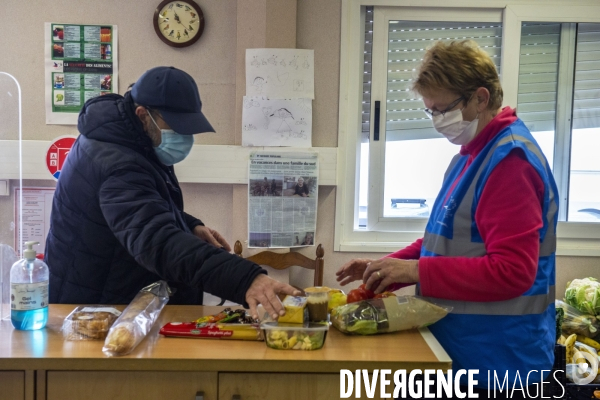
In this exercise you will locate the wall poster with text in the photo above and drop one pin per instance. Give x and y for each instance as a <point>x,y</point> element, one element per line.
<point>80,64</point>
<point>282,199</point>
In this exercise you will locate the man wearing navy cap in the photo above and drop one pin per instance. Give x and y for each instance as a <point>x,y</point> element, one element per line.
<point>117,220</point>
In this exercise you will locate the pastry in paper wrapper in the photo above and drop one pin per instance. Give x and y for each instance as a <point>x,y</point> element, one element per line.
<point>388,314</point>
<point>136,320</point>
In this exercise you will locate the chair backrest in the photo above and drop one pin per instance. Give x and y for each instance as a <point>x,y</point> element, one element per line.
<point>286,260</point>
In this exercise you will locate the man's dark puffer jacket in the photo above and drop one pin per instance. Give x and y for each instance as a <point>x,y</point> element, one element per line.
<point>118,224</point>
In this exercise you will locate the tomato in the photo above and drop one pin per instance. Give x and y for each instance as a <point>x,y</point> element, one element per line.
<point>370,294</point>
<point>356,295</point>
<point>383,295</point>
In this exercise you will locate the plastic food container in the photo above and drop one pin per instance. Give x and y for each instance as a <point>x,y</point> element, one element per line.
<point>90,322</point>
<point>317,301</point>
<point>282,336</point>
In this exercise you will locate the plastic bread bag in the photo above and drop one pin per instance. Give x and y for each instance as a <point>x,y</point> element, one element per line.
<point>387,314</point>
<point>574,321</point>
<point>90,322</point>
<point>137,319</point>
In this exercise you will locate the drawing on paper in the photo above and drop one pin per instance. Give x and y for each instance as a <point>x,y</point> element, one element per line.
<point>266,112</point>
<point>305,105</point>
<point>305,64</point>
<point>283,114</point>
<point>298,85</point>
<point>250,102</point>
<point>294,62</point>
<point>281,79</point>
<point>280,73</point>
<point>276,122</point>
<point>258,84</point>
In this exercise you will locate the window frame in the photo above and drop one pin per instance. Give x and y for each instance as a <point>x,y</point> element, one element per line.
<point>381,18</point>
<point>574,238</point>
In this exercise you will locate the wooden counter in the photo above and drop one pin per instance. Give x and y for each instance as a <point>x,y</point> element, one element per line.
<point>48,368</point>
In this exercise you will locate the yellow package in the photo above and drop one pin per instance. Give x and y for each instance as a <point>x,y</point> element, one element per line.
<point>295,310</point>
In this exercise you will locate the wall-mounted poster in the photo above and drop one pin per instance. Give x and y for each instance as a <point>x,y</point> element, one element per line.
<point>80,64</point>
<point>282,199</point>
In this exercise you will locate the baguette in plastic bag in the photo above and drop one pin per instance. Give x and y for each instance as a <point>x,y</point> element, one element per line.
<point>136,320</point>
<point>390,314</point>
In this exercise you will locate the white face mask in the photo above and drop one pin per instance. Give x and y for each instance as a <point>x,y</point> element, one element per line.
<point>452,126</point>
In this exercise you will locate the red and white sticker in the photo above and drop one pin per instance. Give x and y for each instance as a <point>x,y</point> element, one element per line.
<point>57,154</point>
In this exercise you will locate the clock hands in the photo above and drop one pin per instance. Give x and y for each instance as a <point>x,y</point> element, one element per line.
<point>179,23</point>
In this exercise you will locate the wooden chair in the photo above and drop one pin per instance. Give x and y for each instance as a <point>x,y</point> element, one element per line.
<point>286,260</point>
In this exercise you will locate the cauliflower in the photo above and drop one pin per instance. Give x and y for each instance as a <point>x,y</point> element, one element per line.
<point>584,294</point>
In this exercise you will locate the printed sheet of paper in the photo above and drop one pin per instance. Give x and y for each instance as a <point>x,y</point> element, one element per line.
<point>277,122</point>
<point>80,64</point>
<point>37,206</point>
<point>282,200</point>
<point>280,73</point>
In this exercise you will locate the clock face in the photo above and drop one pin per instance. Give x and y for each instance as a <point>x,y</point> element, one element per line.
<point>178,23</point>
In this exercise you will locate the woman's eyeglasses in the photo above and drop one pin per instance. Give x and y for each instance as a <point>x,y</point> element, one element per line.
<point>435,113</point>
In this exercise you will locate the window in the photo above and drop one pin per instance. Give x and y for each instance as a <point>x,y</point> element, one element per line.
<point>390,183</point>
<point>561,61</point>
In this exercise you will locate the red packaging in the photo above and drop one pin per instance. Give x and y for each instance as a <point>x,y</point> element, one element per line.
<point>215,330</point>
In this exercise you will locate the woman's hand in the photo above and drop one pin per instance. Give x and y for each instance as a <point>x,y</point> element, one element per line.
<point>379,274</point>
<point>352,271</point>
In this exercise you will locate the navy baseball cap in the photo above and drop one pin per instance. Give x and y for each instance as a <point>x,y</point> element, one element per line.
<point>175,94</point>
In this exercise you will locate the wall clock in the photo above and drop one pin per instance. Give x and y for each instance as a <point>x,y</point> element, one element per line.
<point>178,23</point>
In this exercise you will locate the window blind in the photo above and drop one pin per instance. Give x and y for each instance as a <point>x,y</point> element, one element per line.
<point>538,75</point>
<point>586,101</point>
<point>407,43</point>
<point>368,58</point>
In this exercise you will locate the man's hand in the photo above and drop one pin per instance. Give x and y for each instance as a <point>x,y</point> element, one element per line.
<point>263,290</point>
<point>211,236</point>
<point>352,271</point>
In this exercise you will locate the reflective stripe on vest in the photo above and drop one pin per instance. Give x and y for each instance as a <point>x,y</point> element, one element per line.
<point>522,305</point>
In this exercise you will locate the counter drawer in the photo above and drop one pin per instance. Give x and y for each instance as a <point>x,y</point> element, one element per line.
<point>288,386</point>
<point>263,386</point>
<point>12,384</point>
<point>126,385</point>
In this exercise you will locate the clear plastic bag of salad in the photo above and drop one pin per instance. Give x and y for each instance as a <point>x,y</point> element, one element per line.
<point>389,314</point>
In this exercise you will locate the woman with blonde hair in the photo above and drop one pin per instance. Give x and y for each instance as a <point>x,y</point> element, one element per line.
<point>488,249</point>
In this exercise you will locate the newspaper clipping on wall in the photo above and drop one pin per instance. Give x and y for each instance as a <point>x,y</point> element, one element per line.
<point>282,199</point>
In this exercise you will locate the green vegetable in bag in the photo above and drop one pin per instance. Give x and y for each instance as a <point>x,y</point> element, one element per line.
<point>389,314</point>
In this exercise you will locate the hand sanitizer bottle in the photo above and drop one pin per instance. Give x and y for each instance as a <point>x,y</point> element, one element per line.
<point>29,291</point>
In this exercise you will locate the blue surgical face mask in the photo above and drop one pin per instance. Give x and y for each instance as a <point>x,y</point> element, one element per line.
<point>173,147</point>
